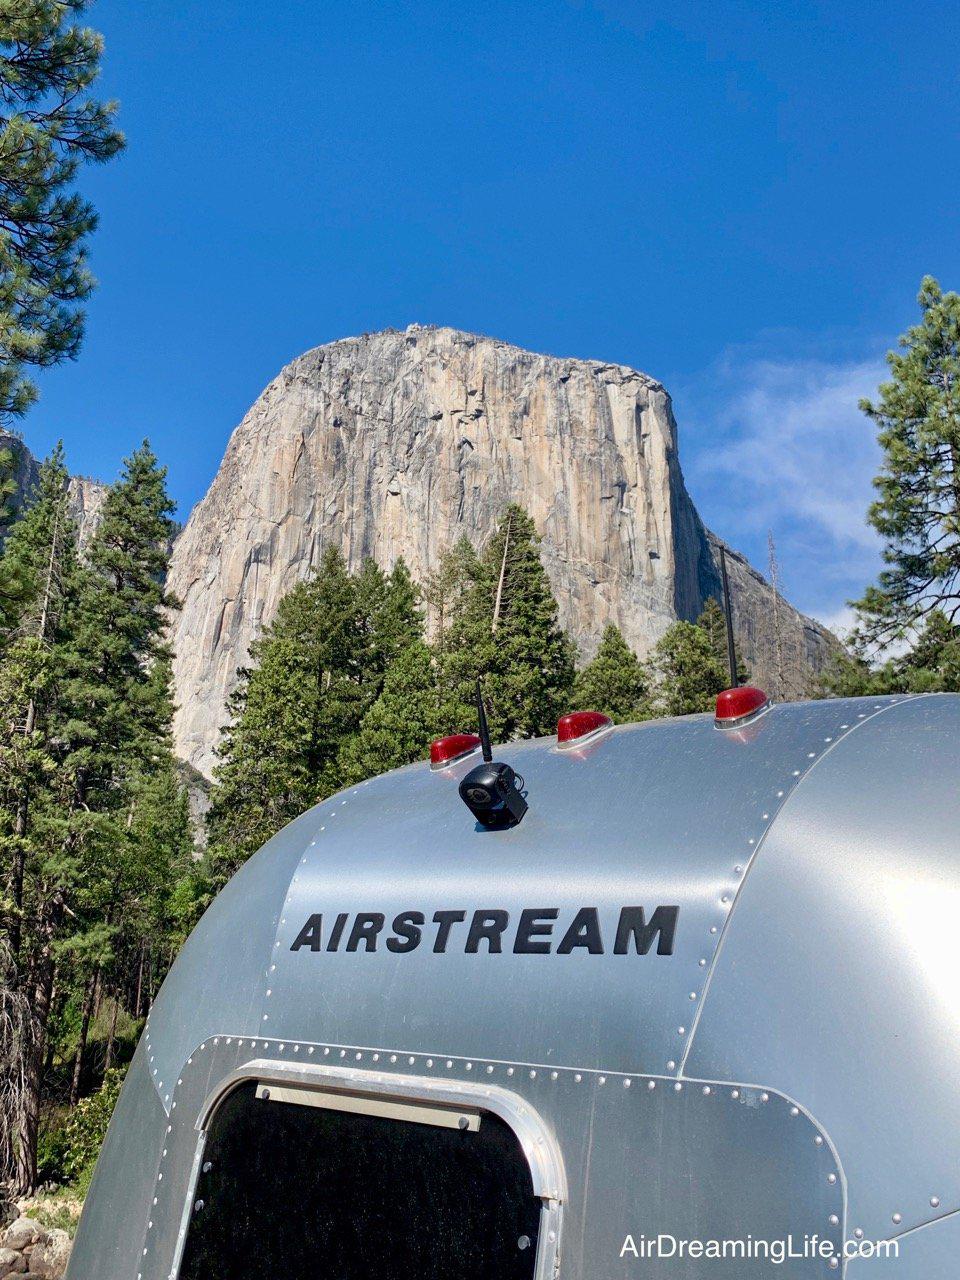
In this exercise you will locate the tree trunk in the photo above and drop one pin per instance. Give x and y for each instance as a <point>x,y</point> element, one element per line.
<point>28,1120</point>
<point>84,1032</point>
<point>108,1058</point>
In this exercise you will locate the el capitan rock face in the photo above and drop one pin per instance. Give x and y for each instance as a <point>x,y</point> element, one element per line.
<point>396,443</point>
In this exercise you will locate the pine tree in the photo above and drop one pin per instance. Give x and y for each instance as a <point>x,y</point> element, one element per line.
<point>447,588</point>
<point>50,126</point>
<point>401,724</point>
<point>713,623</point>
<point>686,674</point>
<point>917,512</point>
<point>614,681</point>
<point>12,588</point>
<point>389,610</point>
<point>506,631</point>
<point>302,695</point>
<point>106,729</point>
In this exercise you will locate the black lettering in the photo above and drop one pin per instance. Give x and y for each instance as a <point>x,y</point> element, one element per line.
<point>407,928</point>
<point>446,920</point>
<point>534,923</point>
<point>584,932</point>
<point>663,925</point>
<point>336,933</point>
<point>309,935</point>
<point>489,925</point>
<point>366,926</point>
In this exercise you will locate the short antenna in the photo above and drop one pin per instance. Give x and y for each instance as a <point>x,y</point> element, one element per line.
<point>728,615</point>
<point>483,726</point>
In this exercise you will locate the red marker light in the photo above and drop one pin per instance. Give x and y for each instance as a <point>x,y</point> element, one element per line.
<point>574,727</point>
<point>448,750</point>
<point>736,705</point>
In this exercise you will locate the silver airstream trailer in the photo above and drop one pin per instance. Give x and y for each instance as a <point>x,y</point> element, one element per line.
<point>696,1015</point>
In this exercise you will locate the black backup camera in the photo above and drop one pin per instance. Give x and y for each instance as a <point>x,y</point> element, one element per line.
<point>492,792</point>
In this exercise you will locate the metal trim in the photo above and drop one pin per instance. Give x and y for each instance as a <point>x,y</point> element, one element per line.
<point>439,1117</point>
<point>537,1140</point>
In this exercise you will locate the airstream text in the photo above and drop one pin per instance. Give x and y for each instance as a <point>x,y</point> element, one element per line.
<point>535,931</point>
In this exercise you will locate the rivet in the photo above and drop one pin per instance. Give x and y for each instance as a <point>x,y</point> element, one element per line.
<point>834,1263</point>
<point>469,1066</point>
<point>671,1064</point>
<point>198,1206</point>
<point>411,1061</point>
<point>627,1083</point>
<point>734,1093</point>
<point>602,1080</point>
<point>738,870</point>
<point>429,1060</point>
<point>898,1217</point>
<point>702,964</point>
<point>831,1178</point>
<point>510,1071</point>
<point>393,1056</point>
<point>681,1031</point>
<point>713,928</point>
<point>818,1140</point>
<point>207,1166</point>
<point>794,1111</point>
<point>578,1077</point>
<point>764,1097</point>
<point>858,1232</point>
<point>706,1090</point>
<point>533,1075</point>
<point>463,1122</point>
<point>934,1202</point>
<point>796,773</point>
<point>343,1054</point>
<point>834,1220</point>
<point>651,1084</point>
<point>811,755</point>
<point>677,1087</point>
<point>725,898</point>
<point>765,817</point>
<point>554,1075</point>
<point>326,1052</point>
<point>779,795</point>
<point>751,841</point>
<point>693,995</point>
<point>265,1095</point>
<point>359,1056</point>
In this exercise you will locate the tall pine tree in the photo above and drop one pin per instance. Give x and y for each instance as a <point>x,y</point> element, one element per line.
<point>686,672</point>
<point>614,681</point>
<point>917,511</point>
<point>506,630</point>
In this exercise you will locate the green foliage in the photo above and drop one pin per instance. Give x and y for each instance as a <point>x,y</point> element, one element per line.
<point>11,586</point>
<point>50,126</point>
<point>403,721</point>
<point>314,674</point>
<point>87,1128</point>
<point>94,820</point>
<point>505,629</point>
<point>686,673</point>
<point>614,681</point>
<point>713,623</point>
<point>930,665</point>
<point>917,512</point>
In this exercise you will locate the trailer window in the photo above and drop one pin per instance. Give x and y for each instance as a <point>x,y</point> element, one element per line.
<point>303,1191</point>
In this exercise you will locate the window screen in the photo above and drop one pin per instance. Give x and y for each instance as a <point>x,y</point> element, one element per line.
<point>314,1194</point>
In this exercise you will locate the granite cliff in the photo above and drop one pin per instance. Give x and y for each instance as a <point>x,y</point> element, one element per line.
<point>397,442</point>
<point>394,444</point>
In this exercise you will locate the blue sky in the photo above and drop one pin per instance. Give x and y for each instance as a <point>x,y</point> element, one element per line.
<point>738,198</point>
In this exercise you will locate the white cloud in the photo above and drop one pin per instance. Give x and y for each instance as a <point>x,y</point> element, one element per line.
<point>781,444</point>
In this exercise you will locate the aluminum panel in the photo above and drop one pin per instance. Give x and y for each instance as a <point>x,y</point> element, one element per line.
<point>839,979</point>
<point>641,1155</point>
<point>220,975</point>
<point>666,813</point>
<point>931,1252</point>
<point>110,1235</point>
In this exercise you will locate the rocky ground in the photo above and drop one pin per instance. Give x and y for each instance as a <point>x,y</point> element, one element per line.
<point>29,1249</point>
